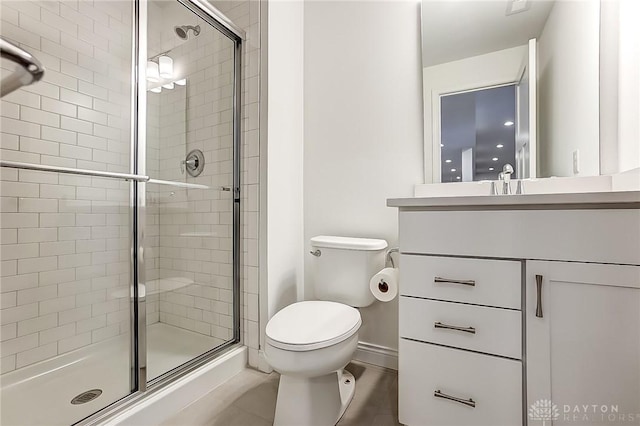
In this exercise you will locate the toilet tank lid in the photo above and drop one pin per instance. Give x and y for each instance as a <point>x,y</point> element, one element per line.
<point>348,243</point>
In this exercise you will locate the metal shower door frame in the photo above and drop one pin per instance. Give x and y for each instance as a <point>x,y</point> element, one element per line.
<point>219,21</point>
<point>141,387</point>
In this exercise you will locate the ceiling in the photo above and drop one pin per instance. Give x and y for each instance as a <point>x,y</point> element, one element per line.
<point>457,29</point>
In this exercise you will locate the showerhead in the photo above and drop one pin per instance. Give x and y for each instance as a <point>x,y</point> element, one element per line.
<point>183,31</point>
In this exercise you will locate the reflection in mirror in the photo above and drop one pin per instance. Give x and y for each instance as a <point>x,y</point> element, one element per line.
<point>550,50</point>
<point>478,133</point>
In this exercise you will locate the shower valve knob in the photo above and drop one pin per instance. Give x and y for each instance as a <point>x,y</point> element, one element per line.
<point>193,164</point>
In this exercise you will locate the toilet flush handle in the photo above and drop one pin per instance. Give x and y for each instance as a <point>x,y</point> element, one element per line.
<point>316,253</point>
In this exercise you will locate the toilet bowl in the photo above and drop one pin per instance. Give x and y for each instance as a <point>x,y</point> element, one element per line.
<point>309,344</point>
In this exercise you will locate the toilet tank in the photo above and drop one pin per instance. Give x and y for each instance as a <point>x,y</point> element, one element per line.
<point>341,268</point>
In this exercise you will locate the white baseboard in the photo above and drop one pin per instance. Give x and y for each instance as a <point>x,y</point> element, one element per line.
<point>381,356</point>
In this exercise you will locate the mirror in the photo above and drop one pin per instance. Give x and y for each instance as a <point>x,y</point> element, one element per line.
<point>518,83</point>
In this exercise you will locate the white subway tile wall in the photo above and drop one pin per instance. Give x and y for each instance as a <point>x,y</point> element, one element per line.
<point>246,15</point>
<point>152,218</point>
<point>65,239</point>
<point>191,276</point>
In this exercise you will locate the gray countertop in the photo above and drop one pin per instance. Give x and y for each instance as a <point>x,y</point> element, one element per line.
<point>573,201</point>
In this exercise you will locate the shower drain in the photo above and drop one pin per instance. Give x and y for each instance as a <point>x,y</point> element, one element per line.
<point>87,396</point>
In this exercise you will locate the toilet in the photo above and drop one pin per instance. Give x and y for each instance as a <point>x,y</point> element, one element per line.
<point>309,343</point>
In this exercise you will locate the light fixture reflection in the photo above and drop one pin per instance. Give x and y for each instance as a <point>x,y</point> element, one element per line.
<point>165,65</point>
<point>168,85</point>
<point>499,146</point>
<point>453,170</point>
<point>157,89</point>
<point>494,159</point>
<point>447,161</point>
<point>491,169</point>
<point>153,73</point>
<point>182,82</point>
<point>508,123</point>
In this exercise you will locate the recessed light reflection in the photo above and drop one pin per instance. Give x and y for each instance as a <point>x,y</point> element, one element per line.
<point>458,177</point>
<point>453,170</point>
<point>441,145</point>
<point>508,123</point>
<point>491,169</point>
<point>494,159</point>
<point>447,161</point>
<point>499,146</point>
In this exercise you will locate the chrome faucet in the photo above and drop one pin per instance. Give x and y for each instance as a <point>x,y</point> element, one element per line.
<point>505,177</point>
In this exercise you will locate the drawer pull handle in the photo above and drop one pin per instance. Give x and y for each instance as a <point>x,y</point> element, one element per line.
<point>539,296</point>
<point>471,283</point>
<point>438,324</point>
<point>468,402</point>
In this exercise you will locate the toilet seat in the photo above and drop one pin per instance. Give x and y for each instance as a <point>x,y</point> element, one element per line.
<point>305,326</point>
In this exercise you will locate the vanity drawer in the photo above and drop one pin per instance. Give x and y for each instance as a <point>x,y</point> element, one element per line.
<point>478,281</point>
<point>483,329</point>
<point>494,384</point>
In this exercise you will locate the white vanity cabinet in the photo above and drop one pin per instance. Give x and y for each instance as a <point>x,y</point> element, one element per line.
<point>460,351</point>
<point>583,341</point>
<point>554,309</point>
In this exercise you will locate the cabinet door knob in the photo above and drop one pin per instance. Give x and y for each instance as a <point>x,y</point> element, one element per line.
<point>471,283</point>
<point>468,402</point>
<point>439,324</point>
<point>539,296</point>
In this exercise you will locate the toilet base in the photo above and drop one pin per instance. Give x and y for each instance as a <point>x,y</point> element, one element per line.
<point>314,401</point>
<point>347,383</point>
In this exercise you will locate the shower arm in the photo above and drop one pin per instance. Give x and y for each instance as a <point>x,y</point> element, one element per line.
<point>30,71</point>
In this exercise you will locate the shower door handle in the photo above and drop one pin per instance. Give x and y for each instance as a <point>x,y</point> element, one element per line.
<point>31,70</point>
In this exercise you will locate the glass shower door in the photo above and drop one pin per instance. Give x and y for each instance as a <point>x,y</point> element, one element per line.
<point>66,237</point>
<point>189,240</point>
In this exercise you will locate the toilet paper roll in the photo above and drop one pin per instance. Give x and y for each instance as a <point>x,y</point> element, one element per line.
<point>384,284</point>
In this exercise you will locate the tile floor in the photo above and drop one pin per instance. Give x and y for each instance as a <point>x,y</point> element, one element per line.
<point>249,399</point>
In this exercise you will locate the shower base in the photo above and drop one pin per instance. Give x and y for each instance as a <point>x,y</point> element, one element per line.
<point>41,394</point>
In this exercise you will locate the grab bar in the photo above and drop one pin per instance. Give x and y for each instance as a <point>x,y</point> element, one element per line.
<point>68,170</point>
<point>31,70</point>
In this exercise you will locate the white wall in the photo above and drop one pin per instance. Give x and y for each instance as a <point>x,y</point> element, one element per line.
<point>486,70</point>
<point>284,154</point>
<point>568,89</point>
<point>629,86</point>
<point>609,40</point>
<point>362,127</point>
<point>619,87</point>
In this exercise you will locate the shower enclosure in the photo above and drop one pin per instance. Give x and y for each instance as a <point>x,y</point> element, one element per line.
<point>120,193</point>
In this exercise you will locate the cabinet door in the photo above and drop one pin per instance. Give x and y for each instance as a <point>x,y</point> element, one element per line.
<point>583,352</point>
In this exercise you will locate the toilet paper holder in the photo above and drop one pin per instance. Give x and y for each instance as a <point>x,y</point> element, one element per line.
<point>390,258</point>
